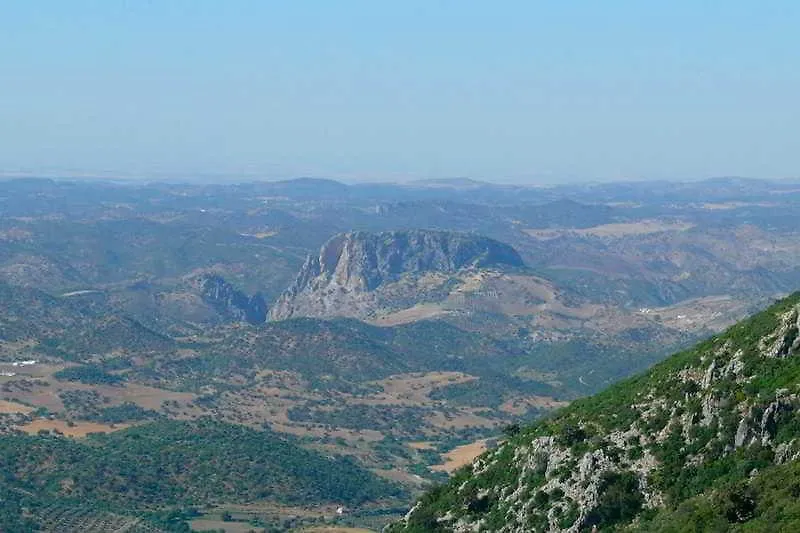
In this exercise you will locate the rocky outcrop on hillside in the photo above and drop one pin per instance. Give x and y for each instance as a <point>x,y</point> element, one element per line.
<point>711,417</point>
<point>352,265</point>
<point>231,303</point>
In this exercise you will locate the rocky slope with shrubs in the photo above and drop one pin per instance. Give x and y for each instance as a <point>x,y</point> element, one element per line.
<point>698,443</point>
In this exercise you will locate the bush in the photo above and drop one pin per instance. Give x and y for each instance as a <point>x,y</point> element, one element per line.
<point>620,500</point>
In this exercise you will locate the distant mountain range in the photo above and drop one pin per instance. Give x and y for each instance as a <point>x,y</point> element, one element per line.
<point>389,323</point>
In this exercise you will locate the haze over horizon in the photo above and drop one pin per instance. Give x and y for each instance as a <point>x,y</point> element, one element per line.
<point>521,92</point>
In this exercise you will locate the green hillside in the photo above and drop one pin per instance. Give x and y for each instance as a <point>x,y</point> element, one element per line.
<point>166,466</point>
<point>704,441</point>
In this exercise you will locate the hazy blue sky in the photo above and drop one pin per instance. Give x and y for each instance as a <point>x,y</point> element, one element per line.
<point>498,90</point>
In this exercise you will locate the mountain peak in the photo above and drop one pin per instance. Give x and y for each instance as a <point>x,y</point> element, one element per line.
<point>359,262</point>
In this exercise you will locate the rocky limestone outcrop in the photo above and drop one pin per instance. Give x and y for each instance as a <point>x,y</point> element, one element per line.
<point>232,303</point>
<point>724,401</point>
<point>351,266</point>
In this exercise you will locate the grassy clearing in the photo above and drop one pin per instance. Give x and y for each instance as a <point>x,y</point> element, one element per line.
<point>77,429</point>
<point>460,456</point>
<point>10,408</point>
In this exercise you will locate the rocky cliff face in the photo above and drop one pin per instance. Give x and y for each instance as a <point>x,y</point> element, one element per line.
<point>719,416</point>
<point>232,303</point>
<point>352,265</point>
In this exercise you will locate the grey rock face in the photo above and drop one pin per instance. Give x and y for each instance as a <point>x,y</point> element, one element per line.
<point>742,433</point>
<point>351,265</point>
<point>232,303</point>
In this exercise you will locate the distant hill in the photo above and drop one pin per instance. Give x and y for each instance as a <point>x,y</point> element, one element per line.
<point>71,327</point>
<point>345,349</point>
<point>308,188</point>
<point>708,440</point>
<point>350,266</point>
<point>451,183</point>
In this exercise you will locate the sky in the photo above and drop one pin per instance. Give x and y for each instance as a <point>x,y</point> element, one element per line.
<point>509,91</point>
